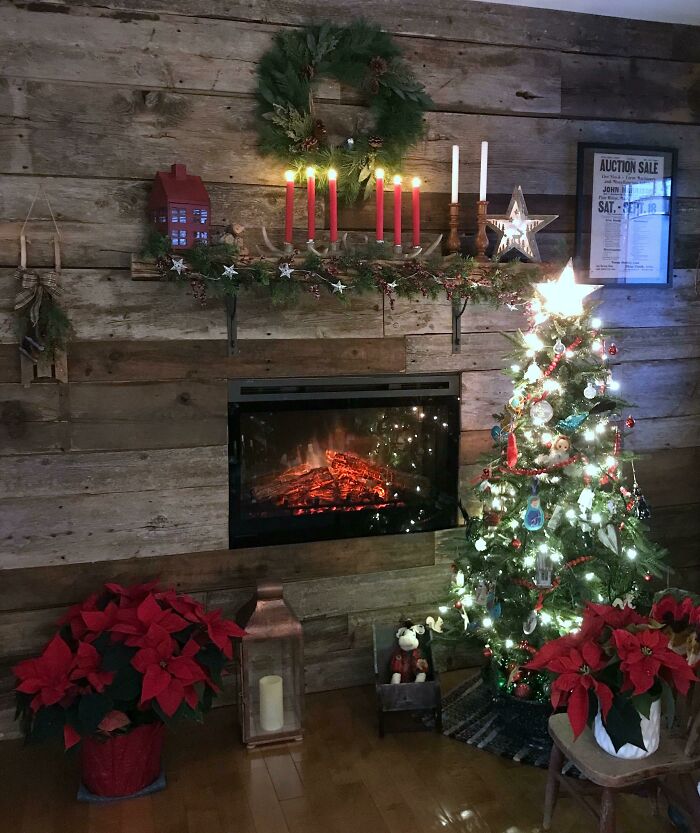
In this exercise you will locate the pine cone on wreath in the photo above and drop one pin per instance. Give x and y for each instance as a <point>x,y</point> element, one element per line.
<point>309,143</point>
<point>375,142</point>
<point>320,132</point>
<point>374,86</point>
<point>378,65</point>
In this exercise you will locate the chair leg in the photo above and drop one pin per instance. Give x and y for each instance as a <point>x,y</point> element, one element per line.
<point>607,811</point>
<point>556,761</point>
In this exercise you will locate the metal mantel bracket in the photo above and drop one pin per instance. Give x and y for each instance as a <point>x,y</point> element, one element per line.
<point>458,308</point>
<point>232,324</point>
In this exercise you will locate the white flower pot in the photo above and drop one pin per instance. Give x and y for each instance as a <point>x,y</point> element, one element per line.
<point>651,731</point>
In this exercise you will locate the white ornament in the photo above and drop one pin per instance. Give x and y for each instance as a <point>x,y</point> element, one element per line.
<point>559,347</point>
<point>285,270</point>
<point>533,373</point>
<point>541,412</point>
<point>590,391</point>
<point>481,594</point>
<point>392,286</point>
<point>178,265</point>
<point>559,451</point>
<point>459,579</point>
<point>480,544</point>
<point>626,601</point>
<point>607,535</point>
<point>229,271</point>
<point>530,623</point>
<point>556,519</point>
<point>435,624</point>
<point>339,287</point>
<point>585,499</point>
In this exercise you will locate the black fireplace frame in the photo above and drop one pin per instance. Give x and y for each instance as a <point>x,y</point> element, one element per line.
<point>259,394</point>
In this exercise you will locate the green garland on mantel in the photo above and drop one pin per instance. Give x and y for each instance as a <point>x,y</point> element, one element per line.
<point>359,56</point>
<point>220,270</point>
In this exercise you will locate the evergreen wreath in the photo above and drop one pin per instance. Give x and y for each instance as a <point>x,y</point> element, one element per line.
<point>361,56</point>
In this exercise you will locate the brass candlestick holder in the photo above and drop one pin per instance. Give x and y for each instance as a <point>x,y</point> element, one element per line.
<point>482,241</point>
<point>453,238</point>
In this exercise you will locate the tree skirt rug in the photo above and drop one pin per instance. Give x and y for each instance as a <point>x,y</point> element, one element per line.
<point>500,724</point>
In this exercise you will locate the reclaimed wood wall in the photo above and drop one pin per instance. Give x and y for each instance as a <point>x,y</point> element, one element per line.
<point>121,473</point>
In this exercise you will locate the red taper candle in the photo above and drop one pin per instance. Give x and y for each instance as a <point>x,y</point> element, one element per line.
<point>333,203</point>
<point>397,210</point>
<point>311,202</point>
<point>415,183</point>
<point>289,207</point>
<point>379,177</point>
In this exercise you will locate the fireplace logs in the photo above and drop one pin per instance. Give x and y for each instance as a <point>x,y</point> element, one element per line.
<point>348,482</point>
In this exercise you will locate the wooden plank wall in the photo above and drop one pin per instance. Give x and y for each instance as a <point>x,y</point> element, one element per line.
<point>122,474</point>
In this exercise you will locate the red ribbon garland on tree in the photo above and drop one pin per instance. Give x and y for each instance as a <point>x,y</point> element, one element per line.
<point>529,585</point>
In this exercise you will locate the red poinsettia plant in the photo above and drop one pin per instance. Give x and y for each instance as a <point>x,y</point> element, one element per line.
<point>125,657</point>
<point>618,663</point>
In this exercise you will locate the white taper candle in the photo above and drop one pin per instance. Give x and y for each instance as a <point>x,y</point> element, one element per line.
<point>484,168</point>
<point>455,173</point>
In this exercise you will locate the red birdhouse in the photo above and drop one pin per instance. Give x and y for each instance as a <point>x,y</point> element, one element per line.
<point>179,207</point>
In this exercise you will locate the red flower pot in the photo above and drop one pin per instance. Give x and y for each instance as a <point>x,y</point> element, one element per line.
<point>122,764</point>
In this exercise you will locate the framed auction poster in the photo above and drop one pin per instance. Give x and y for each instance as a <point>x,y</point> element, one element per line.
<point>624,214</point>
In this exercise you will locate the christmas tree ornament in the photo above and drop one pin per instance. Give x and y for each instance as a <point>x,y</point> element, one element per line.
<point>559,347</point>
<point>523,691</point>
<point>435,625</point>
<point>630,421</point>
<point>496,432</point>
<point>617,442</point>
<point>541,412</point>
<point>178,265</point>
<point>585,499</point>
<point>487,652</point>
<point>590,391</point>
<point>543,570</point>
<point>517,400</point>
<point>534,516</point>
<point>612,349</point>
<point>481,594</point>
<point>459,578</point>
<point>571,423</point>
<point>512,451</point>
<point>642,509</point>
<point>480,544</point>
<point>607,535</point>
<point>557,517</point>
<point>564,296</point>
<point>517,228</point>
<point>559,451</point>
<point>516,543</point>
<point>530,624</point>
<point>533,373</point>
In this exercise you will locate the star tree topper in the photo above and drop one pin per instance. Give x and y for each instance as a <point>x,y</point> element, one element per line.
<point>564,296</point>
<point>518,228</point>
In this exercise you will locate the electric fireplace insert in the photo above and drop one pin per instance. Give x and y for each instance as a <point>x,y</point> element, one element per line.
<point>313,459</point>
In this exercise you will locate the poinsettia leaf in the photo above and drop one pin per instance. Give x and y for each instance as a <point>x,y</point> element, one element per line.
<point>211,658</point>
<point>91,712</point>
<point>642,702</point>
<point>624,724</point>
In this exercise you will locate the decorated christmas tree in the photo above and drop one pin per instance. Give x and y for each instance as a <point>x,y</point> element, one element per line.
<point>563,516</point>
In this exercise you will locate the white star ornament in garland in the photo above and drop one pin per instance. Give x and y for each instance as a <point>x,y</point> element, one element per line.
<point>517,228</point>
<point>229,271</point>
<point>178,265</point>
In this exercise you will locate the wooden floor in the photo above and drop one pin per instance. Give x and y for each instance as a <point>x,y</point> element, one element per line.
<point>341,779</point>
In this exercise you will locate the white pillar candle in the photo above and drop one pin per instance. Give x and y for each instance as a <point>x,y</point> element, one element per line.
<point>484,167</point>
<point>455,173</point>
<point>271,703</point>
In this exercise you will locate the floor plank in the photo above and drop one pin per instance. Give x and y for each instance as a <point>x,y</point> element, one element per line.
<point>342,779</point>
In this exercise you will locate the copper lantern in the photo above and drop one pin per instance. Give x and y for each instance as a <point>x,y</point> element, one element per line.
<point>271,669</point>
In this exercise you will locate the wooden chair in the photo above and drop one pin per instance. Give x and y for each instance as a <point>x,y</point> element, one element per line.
<point>669,770</point>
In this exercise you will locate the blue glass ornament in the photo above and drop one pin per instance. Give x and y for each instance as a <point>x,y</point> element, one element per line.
<point>534,516</point>
<point>496,432</point>
<point>496,611</point>
<point>571,423</point>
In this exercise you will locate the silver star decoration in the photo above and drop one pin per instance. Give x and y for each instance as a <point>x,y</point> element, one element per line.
<point>286,270</point>
<point>229,271</point>
<point>338,287</point>
<point>178,265</point>
<point>518,228</point>
<point>392,286</point>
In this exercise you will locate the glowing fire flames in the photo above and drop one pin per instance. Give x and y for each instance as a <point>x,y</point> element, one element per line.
<point>346,483</point>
